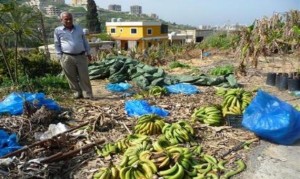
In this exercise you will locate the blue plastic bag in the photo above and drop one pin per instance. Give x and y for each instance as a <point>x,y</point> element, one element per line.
<point>136,108</point>
<point>8,143</point>
<point>272,119</point>
<point>118,87</point>
<point>13,103</point>
<point>184,88</point>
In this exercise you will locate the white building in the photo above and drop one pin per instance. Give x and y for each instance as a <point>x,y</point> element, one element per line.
<point>52,10</point>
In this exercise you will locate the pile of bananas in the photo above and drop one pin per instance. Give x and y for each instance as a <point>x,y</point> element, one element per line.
<point>107,149</point>
<point>235,101</point>
<point>107,173</point>
<point>136,162</point>
<point>179,163</point>
<point>157,91</point>
<point>178,132</point>
<point>210,115</point>
<point>161,143</point>
<point>154,91</point>
<point>136,153</point>
<point>149,124</point>
<point>130,140</point>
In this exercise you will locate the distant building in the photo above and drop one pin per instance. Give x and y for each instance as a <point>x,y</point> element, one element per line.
<point>197,35</point>
<point>155,16</point>
<point>42,4</point>
<point>52,10</point>
<point>140,35</point>
<point>114,7</point>
<point>136,9</point>
<point>79,3</point>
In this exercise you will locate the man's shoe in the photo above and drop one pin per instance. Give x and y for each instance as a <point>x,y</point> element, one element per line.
<point>77,96</point>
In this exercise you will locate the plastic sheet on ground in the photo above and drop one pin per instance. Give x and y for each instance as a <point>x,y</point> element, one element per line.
<point>8,143</point>
<point>272,119</point>
<point>136,108</point>
<point>118,87</point>
<point>13,103</point>
<point>183,88</point>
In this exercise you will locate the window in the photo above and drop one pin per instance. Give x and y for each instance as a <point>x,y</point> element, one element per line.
<point>149,31</point>
<point>133,31</point>
<point>113,30</point>
<point>121,30</point>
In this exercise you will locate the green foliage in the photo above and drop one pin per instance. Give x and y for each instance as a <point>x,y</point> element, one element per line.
<point>104,36</point>
<point>222,70</point>
<point>177,64</point>
<point>220,40</point>
<point>47,84</point>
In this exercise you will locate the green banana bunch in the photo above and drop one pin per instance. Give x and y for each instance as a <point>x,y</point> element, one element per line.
<point>220,91</point>
<point>210,115</point>
<point>161,159</point>
<point>149,124</point>
<point>136,153</point>
<point>107,173</point>
<point>176,171</point>
<point>107,149</point>
<point>235,101</point>
<point>157,91</point>
<point>130,140</point>
<point>181,155</point>
<point>178,132</point>
<point>141,169</point>
<point>196,150</point>
<point>160,143</point>
<point>240,167</point>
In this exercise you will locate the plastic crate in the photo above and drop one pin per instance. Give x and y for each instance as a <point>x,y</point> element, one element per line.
<point>234,120</point>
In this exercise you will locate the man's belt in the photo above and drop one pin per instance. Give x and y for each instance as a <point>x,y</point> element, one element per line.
<point>74,54</point>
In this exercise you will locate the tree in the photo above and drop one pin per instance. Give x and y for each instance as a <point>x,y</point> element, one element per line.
<point>93,23</point>
<point>20,21</point>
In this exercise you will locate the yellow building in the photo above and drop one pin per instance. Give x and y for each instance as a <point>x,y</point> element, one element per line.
<point>139,35</point>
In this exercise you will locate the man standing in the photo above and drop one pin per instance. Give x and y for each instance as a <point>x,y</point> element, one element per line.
<point>73,51</point>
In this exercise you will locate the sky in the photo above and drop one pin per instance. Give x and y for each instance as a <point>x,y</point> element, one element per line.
<point>207,12</point>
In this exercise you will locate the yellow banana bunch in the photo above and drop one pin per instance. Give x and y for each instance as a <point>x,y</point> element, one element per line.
<point>107,173</point>
<point>107,149</point>
<point>178,132</point>
<point>157,91</point>
<point>210,115</point>
<point>161,159</point>
<point>149,124</point>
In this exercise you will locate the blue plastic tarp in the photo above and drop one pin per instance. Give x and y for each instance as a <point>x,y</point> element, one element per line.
<point>8,143</point>
<point>184,88</point>
<point>13,103</point>
<point>118,87</point>
<point>136,108</point>
<point>272,119</point>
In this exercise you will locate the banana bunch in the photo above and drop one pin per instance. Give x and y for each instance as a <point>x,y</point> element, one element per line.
<point>141,169</point>
<point>178,132</point>
<point>107,149</point>
<point>176,171</point>
<point>235,101</point>
<point>136,153</point>
<point>196,150</point>
<point>157,91</point>
<point>107,173</point>
<point>149,124</point>
<point>161,143</point>
<point>210,115</point>
<point>220,91</point>
<point>181,155</point>
<point>131,140</point>
<point>161,159</point>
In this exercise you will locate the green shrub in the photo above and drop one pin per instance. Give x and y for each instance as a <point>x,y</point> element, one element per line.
<point>177,64</point>
<point>222,70</point>
<point>219,40</point>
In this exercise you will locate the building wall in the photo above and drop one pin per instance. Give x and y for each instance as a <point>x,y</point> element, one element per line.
<point>114,7</point>
<point>136,9</point>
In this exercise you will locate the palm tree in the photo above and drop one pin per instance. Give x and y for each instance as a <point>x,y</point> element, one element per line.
<point>21,21</point>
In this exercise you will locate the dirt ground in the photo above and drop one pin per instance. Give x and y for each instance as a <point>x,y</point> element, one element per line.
<point>109,121</point>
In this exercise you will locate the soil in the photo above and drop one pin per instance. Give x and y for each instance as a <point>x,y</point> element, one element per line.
<point>109,121</point>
